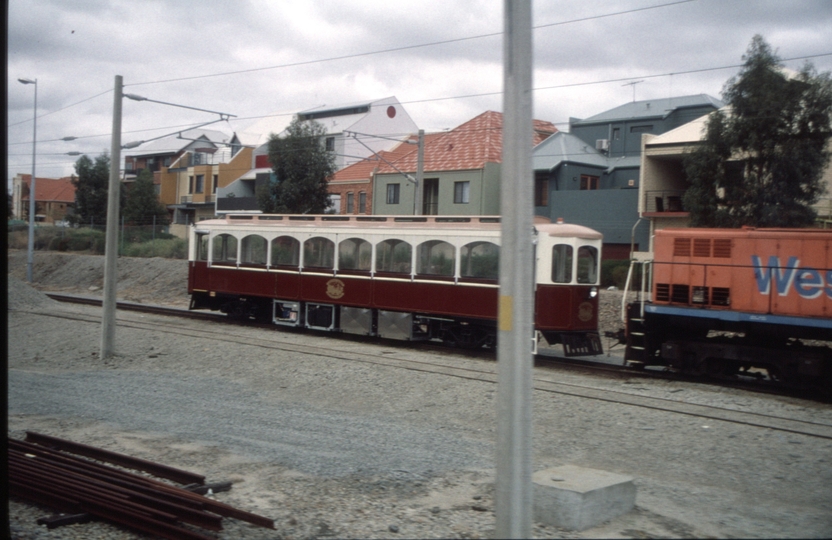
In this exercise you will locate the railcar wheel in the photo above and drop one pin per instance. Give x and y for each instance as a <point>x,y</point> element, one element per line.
<point>464,337</point>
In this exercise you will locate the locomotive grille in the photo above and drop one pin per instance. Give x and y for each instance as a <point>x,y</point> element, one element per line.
<point>722,248</point>
<point>681,247</point>
<point>721,296</point>
<point>700,295</point>
<point>701,247</point>
<point>680,293</point>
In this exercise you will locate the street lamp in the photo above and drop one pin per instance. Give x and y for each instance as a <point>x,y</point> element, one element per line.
<point>31,248</point>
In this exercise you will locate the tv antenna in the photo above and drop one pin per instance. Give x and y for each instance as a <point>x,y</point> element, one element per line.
<point>633,84</point>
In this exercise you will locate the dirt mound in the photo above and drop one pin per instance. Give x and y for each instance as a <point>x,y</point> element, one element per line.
<point>151,281</point>
<point>21,296</point>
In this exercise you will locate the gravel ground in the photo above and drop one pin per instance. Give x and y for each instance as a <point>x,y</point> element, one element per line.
<point>329,448</point>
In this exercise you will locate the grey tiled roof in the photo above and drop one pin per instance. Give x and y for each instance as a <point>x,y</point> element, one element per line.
<point>651,108</point>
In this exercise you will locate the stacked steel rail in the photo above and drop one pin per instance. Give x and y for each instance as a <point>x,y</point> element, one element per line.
<point>50,471</point>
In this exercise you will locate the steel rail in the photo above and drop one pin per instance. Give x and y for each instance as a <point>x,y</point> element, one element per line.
<point>72,483</point>
<point>156,469</point>
<point>815,429</point>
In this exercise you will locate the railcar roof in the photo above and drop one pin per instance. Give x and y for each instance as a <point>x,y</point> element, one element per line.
<point>488,223</point>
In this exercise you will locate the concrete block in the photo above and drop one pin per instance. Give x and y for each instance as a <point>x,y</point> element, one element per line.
<point>578,498</point>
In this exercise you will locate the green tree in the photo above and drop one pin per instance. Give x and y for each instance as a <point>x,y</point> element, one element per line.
<point>761,162</point>
<point>91,190</point>
<point>142,204</point>
<point>302,167</point>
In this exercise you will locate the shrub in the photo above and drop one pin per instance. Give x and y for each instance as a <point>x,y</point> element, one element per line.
<point>170,248</point>
<point>614,273</point>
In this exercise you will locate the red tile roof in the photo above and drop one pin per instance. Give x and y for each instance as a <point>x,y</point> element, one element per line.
<point>468,146</point>
<point>51,189</point>
<point>363,170</point>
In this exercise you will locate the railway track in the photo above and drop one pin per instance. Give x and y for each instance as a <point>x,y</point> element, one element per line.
<point>543,381</point>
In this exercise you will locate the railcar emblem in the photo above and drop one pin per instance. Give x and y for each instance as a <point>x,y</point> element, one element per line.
<point>585,311</point>
<point>335,288</point>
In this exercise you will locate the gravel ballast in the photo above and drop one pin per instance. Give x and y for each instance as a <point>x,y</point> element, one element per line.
<point>334,448</point>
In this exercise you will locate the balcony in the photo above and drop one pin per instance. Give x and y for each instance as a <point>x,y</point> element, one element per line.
<point>186,199</point>
<point>663,202</point>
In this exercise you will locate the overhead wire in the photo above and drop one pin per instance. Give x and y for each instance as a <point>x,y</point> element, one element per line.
<point>406,47</point>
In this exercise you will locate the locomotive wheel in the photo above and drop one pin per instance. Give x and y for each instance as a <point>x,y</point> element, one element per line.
<point>717,367</point>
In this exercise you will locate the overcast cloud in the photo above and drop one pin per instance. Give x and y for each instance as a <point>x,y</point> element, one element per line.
<point>227,56</point>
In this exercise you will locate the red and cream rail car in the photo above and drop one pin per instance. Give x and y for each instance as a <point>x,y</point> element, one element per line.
<point>725,301</point>
<point>400,277</point>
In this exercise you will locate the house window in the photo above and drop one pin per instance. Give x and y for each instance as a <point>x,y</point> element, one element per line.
<point>200,183</point>
<point>362,203</point>
<point>541,190</point>
<point>646,128</point>
<point>190,184</point>
<point>214,186</point>
<point>616,134</point>
<point>350,202</point>
<point>462,192</point>
<point>392,193</point>
<point>329,144</point>
<point>589,182</point>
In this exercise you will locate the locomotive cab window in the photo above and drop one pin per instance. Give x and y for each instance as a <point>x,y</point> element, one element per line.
<point>562,263</point>
<point>286,252</point>
<point>435,258</point>
<point>355,254</point>
<point>319,253</point>
<point>224,249</point>
<point>587,264</point>
<point>393,256</point>
<point>479,260</point>
<point>253,250</point>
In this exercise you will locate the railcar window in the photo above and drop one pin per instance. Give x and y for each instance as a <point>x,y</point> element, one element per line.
<point>393,256</point>
<point>587,264</point>
<point>224,249</point>
<point>480,260</point>
<point>202,247</point>
<point>435,258</point>
<point>253,249</point>
<point>355,254</point>
<point>562,263</point>
<point>285,251</point>
<point>319,252</point>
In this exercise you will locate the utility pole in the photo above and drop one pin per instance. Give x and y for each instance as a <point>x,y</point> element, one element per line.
<point>513,500</point>
<point>418,192</point>
<point>108,315</point>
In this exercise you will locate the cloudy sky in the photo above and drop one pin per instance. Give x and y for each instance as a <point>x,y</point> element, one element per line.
<point>441,58</point>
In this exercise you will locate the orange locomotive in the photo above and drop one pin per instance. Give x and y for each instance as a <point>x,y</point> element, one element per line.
<point>728,301</point>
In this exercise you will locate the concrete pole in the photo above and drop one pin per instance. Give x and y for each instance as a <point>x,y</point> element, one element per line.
<point>418,188</point>
<point>513,502</point>
<point>30,253</point>
<point>108,316</point>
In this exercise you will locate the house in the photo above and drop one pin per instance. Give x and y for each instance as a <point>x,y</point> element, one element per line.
<point>54,198</point>
<point>187,170</point>
<point>590,175</point>
<point>351,189</point>
<point>353,132</point>
<point>663,180</point>
<point>196,176</point>
<point>461,170</point>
